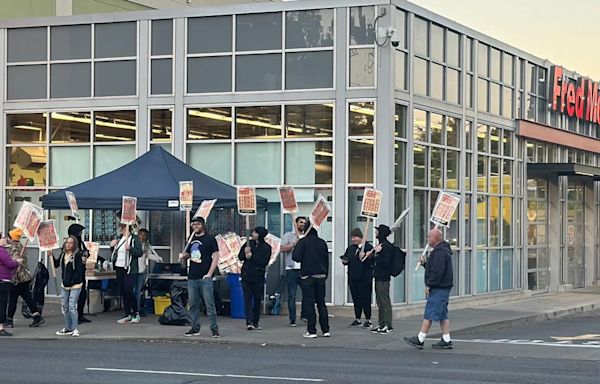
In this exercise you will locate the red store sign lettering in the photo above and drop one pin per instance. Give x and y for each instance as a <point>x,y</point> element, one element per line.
<point>574,98</point>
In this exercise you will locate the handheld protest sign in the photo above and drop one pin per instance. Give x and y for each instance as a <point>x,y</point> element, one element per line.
<point>186,195</point>
<point>275,243</point>
<point>204,209</point>
<point>371,205</point>
<point>128,210</point>
<point>33,222</point>
<point>320,212</point>
<point>246,201</point>
<point>73,205</point>
<point>289,204</point>
<point>47,236</point>
<point>399,220</point>
<point>444,208</point>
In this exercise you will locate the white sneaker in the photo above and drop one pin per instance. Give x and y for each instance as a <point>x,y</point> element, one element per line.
<point>124,320</point>
<point>64,332</point>
<point>310,335</point>
<point>326,334</point>
<point>75,333</point>
<point>135,319</point>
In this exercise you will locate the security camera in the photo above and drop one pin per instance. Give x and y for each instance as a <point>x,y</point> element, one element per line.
<point>394,37</point>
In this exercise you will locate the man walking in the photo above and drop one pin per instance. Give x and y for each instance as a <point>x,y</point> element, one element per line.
<point>384,252</point>
<point>438,283</point>
<point>312,254</point>
<point>292,268</point>
<point>203,253</point>
<point>360,277</point>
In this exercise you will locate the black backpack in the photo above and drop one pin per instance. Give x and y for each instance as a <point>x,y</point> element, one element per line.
<point>398,261</point>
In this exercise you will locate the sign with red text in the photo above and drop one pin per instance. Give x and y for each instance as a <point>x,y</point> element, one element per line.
<point>574,97</point>
<point>288,199</point>
<point>444,209</point>
<point>128,210</point>
<point>47,236</point>
<point>186,195</point>
<point>371,204</point>
<point>29,219</point>
<point>246,200</point>
<point>72,204</point>
<point>275,243</point>
<point>320,212</point>
<point>204,209</point>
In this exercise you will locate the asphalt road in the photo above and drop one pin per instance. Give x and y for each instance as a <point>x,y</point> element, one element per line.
<point>561,351</point>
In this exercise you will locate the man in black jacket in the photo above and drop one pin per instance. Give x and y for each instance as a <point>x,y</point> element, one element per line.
<point>313,255</point>
<point>360,277</point>
<point>384,253</point>
<point>438,283</point>
<point>255,254</point>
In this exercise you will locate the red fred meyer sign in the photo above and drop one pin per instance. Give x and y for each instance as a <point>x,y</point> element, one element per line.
<point>574,98</point>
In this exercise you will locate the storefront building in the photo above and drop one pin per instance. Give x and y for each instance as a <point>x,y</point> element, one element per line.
<point>329,97</point>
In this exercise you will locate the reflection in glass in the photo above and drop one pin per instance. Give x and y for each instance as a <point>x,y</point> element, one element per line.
<point>26,128</point>
<point>495,175</point>
<point>361,119</point>
<point>258,72</point>
<point>360,155</point>
<point>70,127</point>
<point>468,134</point>
<point>452,86</point>
<point>300,70</point>
<point>507,238</point>
<point>115,126</point>
<point>258,31</point>
<point>467,211</point>
<point>469,54</point>
<point>362,67</point>
<point>161,125</point>
<point>209,123</point>
<point>437,128</point>
<point>420,217</point>
<point>495,221</point>
<point>209,34</point>
<point>400,166</point>
<point>258,122</point>
<point>495,140</point>
<point>27,166</point>
<point>309,162</point>
<point>482,138</point>
<point>437,81</point>
<point>419,165</point>
<point>309,29</point>
<point>482,95</point>
<point>400,25</point>
<point>482,172</point>
<point>420,125</point>
<point>420,76</point>
<point>482,220</point>
<point>452,125</point>
<point>435,170</point>
<point>452,166</point>
<point>507,177</point>
<point>314,120</point>
<point>362,29</point>
<point>495,98</point>
<point>468,172</point>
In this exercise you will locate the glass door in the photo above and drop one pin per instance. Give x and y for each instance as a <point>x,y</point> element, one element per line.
<point>537,239</point>
<point>575,235</point>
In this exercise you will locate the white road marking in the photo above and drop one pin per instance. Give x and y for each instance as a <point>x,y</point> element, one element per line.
<point>203,374</point>
<point>588,344</point>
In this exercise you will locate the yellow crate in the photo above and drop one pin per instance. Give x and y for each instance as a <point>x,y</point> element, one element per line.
<point>160,303</point>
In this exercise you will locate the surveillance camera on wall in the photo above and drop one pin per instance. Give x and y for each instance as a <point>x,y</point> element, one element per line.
<point>395,37</point>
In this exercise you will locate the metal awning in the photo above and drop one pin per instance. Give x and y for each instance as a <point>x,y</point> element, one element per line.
<point>563,169</point>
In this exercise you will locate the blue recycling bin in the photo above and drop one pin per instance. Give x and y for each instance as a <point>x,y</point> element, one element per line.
<point>236,294</point>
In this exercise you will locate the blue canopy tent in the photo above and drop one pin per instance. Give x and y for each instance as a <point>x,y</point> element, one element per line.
<point>154,179</point>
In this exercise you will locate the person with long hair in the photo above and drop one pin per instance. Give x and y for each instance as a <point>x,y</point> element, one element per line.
<point>7,269</point>
<point>72,268</point>
<point>126,250</point>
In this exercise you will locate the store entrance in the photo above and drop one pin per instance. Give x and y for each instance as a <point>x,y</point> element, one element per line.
<point>537,235</point>
<point>574,257</point>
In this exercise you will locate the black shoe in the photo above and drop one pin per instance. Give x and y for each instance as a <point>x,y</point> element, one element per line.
<point>37,321</point>
<point>84,319</point>
<point>4,332</point>
<point>216,334</point>
<point>367,324</point>
<point>304,319</point>
<point>9,323</point>
<point>414,341</point>
<point>192,332</point>
<point>257,327</point>
<point>442,345</point>
<point>375,329</point>
<point>355,323</point>
<point>250,327</point>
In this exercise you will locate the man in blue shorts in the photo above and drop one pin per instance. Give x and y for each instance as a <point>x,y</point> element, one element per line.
<point>438,283</point>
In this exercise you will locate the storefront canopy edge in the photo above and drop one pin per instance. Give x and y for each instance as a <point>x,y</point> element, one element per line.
<point>154,179</point>
<point>563,169</point>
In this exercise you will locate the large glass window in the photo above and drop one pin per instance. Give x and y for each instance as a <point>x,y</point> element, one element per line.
<point>258,72</point>
<point>71,42</point>
<point>70,127</point>
<point>361,121</point>
<point>161,127</point>
<point>309,162</point>
<point>162,37</point>
<point>420,77</point>
<point>26,82</point>
<point>209,34</point>
<point>107,158</point>
<point>309,29</point>
<point>70,80</point>
<point>362,67</point>
<point>213,160</point>
<point>360,154</point>
<point>115,78</point>
<point>258,164</point>
<point>27,45</point>
<point>362,31</point>
<point>260,31</point>
<point>115,126</point>
<point>361,50</point>
<point>258,122</point>
<point>26,128</point>
<point>300,70</point>
<point>421,37</point>
<point>115,40</point>
<point>27,166</point>
<point>305,121</point>
<point>209,123</point>
<point>69,165</point>
<point>209,74</point>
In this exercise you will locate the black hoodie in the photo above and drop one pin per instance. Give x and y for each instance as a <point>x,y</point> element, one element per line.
<point>253,270</point>
<point>438,269</point>
<point>359,270</point>
<point>313,255</point>
<point>383,261</point>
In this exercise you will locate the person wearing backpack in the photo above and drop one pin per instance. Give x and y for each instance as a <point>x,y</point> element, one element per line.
<point>383,253</point>
<point>360,277</point>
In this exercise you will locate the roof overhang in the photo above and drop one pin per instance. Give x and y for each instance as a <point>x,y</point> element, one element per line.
<point>563,169</point>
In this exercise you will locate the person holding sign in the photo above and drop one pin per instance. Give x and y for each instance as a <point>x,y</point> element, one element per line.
<point>255,254</point>
<point>313,255</point>
<point>7,269</point>
<point>438,283</point>
<point>77,231</point>
<point>126,250</point>
<point>292,268</point>
<point>21,281</point>
<point>360,277</point>
<point>72,267</point>
<point>383,253</point>
<point>203,253</point>
<point>148,254</point>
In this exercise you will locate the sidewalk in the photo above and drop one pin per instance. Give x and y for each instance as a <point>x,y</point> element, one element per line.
<point>277,332</point>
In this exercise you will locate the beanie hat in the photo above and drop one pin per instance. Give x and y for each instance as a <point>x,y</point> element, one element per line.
<point>75,229</point>
<point>16,234</point>
<point>262,232</point>
<point>356,232</point>
<point>384,231</point>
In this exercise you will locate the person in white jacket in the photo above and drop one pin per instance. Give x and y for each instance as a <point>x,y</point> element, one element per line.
<point>149,254</point>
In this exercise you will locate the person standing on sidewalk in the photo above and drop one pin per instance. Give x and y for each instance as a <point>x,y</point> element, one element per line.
<point>203,254</point>
<point>438,283</point>
<point>73,274</point>
<point>255,254</point>
<point>360,277</point>
<point>126,250</point>
<point>7,269</point>
<point>313,255</point>
<point>77,231</point>
<point>292,268</point>
<point>21,282</point>
<point>148,253</point>
<point>383,254</point>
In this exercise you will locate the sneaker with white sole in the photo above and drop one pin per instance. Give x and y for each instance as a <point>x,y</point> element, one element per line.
<point>135,319</point>
<point>64,332</point>
<point>326,334</point>
<point>192,332</point>
<point>125,320</point>
<point>216,334</point>
<point>75,333</point>
<point>309,335</point>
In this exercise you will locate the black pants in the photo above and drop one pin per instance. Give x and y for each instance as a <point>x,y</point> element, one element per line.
<point>21,289</point>
<point>81,300</point>
<point>126,287</point>
<point>4,291</point>
<point>362,296</point>
<point>253,294</point>
<point>313,292</point>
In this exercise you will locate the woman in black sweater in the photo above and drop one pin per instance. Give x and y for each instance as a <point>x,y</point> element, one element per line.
<point>73,274</point>
<point>255,254</point>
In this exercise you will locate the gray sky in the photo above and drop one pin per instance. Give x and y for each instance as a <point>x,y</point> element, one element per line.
<point>565,32</point>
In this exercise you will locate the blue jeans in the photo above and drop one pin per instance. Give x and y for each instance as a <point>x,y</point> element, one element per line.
<point>137,289</point>
<point>202,289</point>
<point>68,302</point>
<point>293,281</point>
